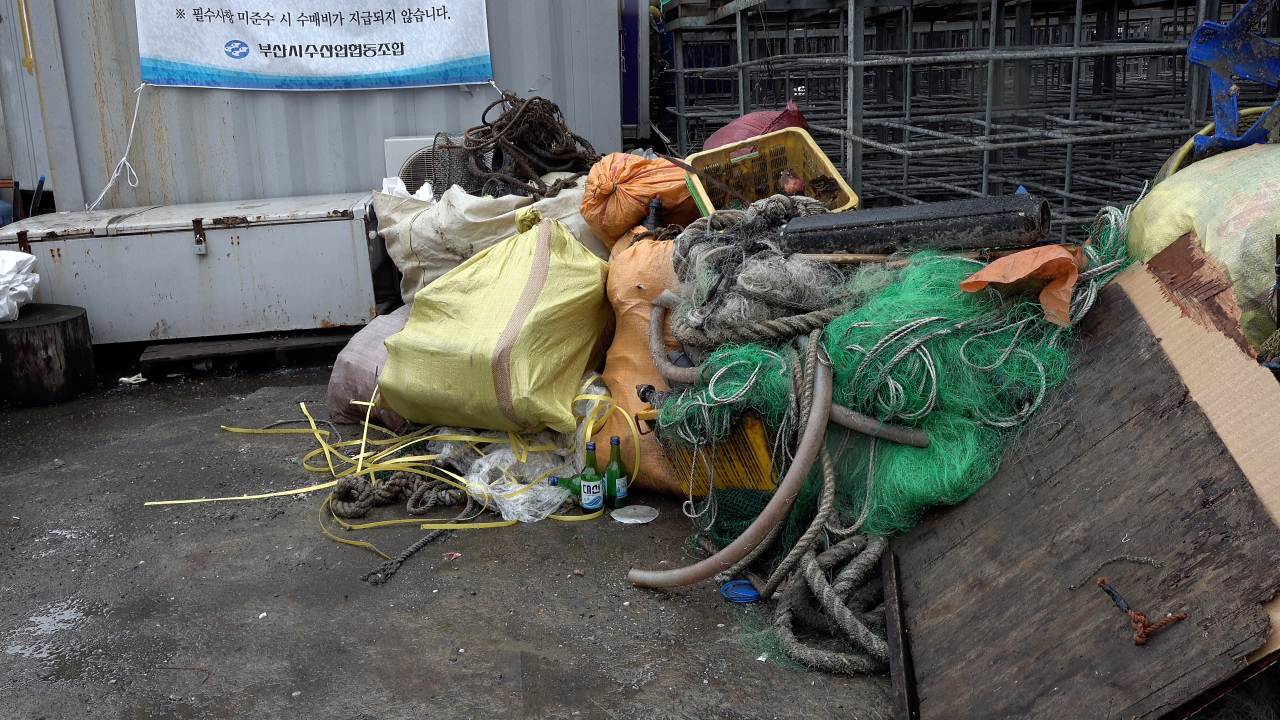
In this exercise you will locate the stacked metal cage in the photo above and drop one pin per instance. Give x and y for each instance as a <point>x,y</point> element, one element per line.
<point>1078,101</point>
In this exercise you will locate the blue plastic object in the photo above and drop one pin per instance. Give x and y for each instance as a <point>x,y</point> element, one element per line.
<point>1234,50</point>
<point>739,591</point>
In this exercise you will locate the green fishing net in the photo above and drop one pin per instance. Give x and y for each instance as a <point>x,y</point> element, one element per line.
<point>913,349</point>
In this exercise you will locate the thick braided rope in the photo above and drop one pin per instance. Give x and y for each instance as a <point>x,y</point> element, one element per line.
<point>826,504</point>
<point>834,606</point>
<point>785,327</point>
<point>792,598</point>
<point>853,573</point>
<point>356,496</point>
<point>388,569</point>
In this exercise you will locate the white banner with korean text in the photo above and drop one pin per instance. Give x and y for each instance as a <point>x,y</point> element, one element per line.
<point>274,45</point>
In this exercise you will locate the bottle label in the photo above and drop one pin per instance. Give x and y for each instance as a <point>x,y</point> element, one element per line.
<point>622,487</point>
<point>592,495</point>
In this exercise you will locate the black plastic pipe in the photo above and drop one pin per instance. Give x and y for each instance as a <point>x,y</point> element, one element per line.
<point>1006,221</point>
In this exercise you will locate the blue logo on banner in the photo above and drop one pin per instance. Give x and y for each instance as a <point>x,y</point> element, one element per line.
<point>237,49</point>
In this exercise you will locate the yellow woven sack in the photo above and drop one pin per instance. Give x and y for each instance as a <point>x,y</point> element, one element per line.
<point>501,341</point>
<point>1230,202</point>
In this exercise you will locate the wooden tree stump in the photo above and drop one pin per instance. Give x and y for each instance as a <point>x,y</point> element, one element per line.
<point>45,355</point>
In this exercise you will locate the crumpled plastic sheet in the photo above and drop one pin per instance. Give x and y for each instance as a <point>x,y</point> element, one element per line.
<point>18,282</point>
<point>518,489</point>
<point>496,476</point>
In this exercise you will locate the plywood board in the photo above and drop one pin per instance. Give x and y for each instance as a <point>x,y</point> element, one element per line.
<point>1131,474</point>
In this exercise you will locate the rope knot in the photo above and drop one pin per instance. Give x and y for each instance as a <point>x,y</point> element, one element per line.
<point>1142,629</point>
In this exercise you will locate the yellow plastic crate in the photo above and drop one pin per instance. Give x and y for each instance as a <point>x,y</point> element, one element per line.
<point>755,174</point>
<point>741,460</point>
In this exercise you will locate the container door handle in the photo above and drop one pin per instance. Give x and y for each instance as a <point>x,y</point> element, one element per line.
<point>197,227</point>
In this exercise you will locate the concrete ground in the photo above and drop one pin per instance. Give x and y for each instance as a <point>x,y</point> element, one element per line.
<point>109,609</point>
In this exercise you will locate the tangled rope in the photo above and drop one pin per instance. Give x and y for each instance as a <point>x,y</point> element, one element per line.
<point>354,496</point>
<point>833,598</point>
<point>784,327</point>
<point>526,141</point>
<point>430,494</point>
<point>741,286</point>
<point>805,571</point>
<point>388,569</point>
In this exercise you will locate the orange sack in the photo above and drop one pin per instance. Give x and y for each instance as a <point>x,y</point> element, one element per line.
<point>638,272</point>
<point>619,189</point>
<point>1052,267</point>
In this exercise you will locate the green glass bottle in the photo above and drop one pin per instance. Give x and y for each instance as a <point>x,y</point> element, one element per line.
<point>615,476</point>
<point>592,492</point>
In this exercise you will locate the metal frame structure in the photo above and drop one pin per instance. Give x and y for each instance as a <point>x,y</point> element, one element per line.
<point>1079,101</point>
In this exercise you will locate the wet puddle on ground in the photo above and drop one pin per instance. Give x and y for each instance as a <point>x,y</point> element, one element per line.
<point>37,641</point>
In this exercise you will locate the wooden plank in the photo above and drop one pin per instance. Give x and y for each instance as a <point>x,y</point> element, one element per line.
<point>999,594</point>
<point>901,675</point>
<point>177,352</point>
<point>1239,397</point>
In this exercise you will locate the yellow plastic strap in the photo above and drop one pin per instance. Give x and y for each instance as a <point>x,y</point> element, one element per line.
<point>323,445</point>
<point>364,437</point>
<point>370,461</point>
<point>282,493</point>
<point>576,518</point>
<point>378,524</point>
<point>466,526</point>
<point>276,431</point>
<point>635,431</point>
<point>357,543</point>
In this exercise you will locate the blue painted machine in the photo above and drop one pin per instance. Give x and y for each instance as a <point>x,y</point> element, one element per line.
<point>1230,51</point>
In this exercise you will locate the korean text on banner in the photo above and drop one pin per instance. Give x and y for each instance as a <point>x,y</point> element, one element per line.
<point>275,45</point>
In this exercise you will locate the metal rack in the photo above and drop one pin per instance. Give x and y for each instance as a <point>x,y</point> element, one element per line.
<point>1078,101</point>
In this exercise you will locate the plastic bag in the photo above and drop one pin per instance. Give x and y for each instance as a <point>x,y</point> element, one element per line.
<point>1050,266</point>
<point>501,341</point>
<point>18,281</point>
<point>426,240</point>
<point>498,478</point>
<point>517,488</point>
<point>395,186</point>
<point>757,123</point>
<point>1229,202</point>
<point>459,454</point>
<point>619,189</point>
<point>639,272</point>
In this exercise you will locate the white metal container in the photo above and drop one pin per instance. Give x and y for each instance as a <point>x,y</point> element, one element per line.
<point>68,117</point>
<point>183,271</point>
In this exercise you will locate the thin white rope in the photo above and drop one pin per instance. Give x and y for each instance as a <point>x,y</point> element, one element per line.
<point>131,177</point>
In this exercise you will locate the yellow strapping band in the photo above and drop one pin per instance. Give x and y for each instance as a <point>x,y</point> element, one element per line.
<point>635,431</point>
<point>371,461</point>
<point>467,526</point>
<point>298,491</point>
<point>576,518</point>
<point>356,543</point>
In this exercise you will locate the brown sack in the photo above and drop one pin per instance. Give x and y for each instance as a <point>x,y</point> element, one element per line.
<point>619,189</point>
<point>356,369</point>
<point>638,272</point>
